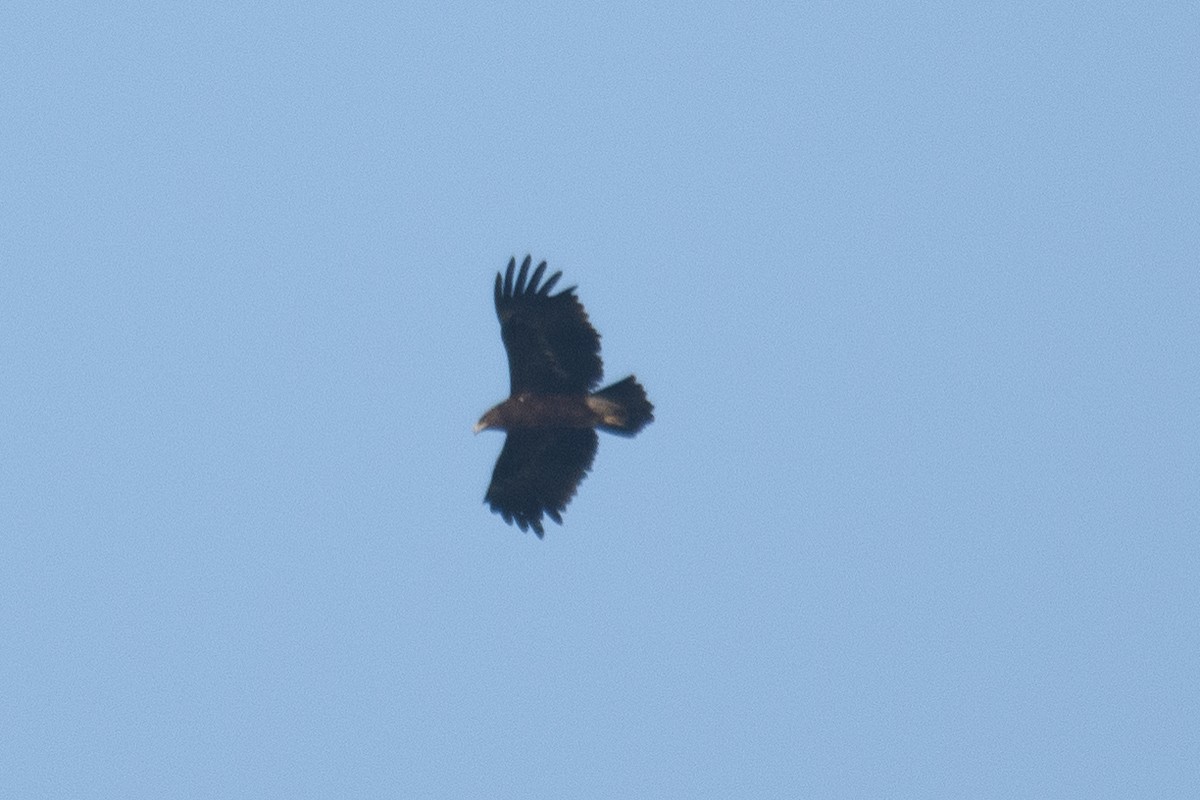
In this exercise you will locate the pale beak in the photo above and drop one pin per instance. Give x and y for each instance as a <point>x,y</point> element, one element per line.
<point>479,426</point>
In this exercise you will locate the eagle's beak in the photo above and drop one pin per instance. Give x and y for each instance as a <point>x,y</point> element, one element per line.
<point>479,426</point>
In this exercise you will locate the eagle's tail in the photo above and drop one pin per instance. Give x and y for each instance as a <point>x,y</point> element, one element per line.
<point>623,407</point>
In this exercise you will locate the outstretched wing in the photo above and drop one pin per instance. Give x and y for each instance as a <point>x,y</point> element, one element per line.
<point>552,348</point>
<point>537,472</point>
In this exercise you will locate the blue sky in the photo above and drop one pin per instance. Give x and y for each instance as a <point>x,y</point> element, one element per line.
<point>913,287</point>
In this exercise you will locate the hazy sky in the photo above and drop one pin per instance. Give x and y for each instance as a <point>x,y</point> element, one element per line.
<point>913,287</point>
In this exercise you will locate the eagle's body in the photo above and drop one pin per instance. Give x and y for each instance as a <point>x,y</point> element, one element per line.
<point>551,413</point>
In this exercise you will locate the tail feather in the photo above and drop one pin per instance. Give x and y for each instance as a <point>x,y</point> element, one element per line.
<point>623,407</point>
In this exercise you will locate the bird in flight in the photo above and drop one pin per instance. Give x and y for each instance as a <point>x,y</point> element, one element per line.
<point>552,412</point>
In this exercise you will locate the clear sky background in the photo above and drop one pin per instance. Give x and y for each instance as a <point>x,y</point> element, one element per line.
<point>913,287</point>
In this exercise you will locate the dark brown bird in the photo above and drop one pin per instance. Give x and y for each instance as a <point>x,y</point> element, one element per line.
<point>551,414</point>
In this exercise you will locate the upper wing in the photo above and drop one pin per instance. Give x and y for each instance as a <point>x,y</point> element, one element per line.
<point>537,472</point>
<point>552,348</point>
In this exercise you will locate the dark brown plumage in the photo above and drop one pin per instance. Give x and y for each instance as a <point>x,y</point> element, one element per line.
<point>551,413</point>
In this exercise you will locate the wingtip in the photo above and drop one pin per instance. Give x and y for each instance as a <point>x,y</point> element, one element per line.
<point>508,277</point>
<point>532,288</point>
<point>519,286</point>
<point>549,284</point>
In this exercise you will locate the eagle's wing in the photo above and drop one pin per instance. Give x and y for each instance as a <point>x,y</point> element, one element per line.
<point>537,472</point>
<point>552,348</point>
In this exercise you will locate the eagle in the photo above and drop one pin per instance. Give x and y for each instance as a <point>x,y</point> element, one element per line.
<point>552,412</point>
